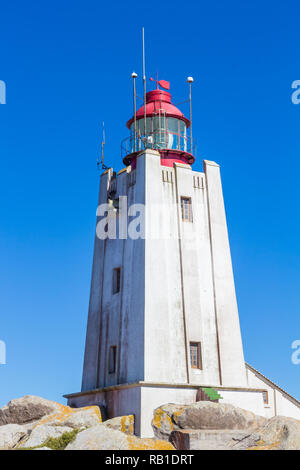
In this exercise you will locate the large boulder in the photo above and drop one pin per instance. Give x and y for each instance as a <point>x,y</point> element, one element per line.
<point>79,418</point>
<point>280,433</point>
<point>101,437</point>
<point>40,434</point>
<point>26,410</point>
<point>32,411</point>
<point>210,415</point>
<point>11,435</point>
<point>203,415</point>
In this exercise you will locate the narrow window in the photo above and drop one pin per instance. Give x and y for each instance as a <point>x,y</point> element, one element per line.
<point>116,280</point>
<point>186,209</point>
<point>112,359</point>
<point>195,353</point>
<point>266,398</point>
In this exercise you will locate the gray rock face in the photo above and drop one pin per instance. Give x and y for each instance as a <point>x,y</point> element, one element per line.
<point>210,415</point>
<point>101,437</point>
<point>203,415</point>
<point>26,409</point>
<point>121,423</point>
<point>10,435</point>
<point>41,433</point>
<point>81,418</point>
<point>281,433</point>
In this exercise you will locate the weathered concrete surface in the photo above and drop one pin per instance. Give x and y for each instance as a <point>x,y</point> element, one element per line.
<point>280,433</point>
<point>124,424</point>
<point>27,409</point>
<point>10,435</point>
<point>41,433</point>
<point>100,437</point>
<point>186,439</point>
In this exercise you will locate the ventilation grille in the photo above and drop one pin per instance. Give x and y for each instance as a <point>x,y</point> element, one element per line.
<point>198,182</point>
<point>167,176</point>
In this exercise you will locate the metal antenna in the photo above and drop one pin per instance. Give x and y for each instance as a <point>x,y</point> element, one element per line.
<point>134,76</point>
<point>144,80</point>
<point>104,167</point>
<point>190,81</point>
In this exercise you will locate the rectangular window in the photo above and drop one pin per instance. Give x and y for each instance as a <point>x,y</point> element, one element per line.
<point>186,209</point>
<point>196,357</point>
<point>112,359</point>
<point>266,398</point>
<point>116,280</point>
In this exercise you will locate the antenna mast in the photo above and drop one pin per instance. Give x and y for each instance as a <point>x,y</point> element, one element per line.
<point>104,167</point>
<point>134,75</point>
<point>144,80</point>
<point>190,81</point>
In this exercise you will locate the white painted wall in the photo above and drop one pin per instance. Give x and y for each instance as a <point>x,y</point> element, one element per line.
<point>279,404</point>
<point>248,400</point>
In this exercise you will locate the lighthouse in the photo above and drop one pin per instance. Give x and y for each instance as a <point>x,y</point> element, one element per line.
<point>163,321</point>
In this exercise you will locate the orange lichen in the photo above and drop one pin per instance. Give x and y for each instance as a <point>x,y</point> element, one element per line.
<point>65,412</point>
<point>136,443</point>
<point>162,419</point>
<point>260,445</point>
<point>127,424</point>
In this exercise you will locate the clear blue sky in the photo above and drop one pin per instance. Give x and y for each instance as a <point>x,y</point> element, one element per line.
<point>67,67</point>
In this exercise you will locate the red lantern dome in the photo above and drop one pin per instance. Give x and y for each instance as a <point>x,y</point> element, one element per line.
<point>166,131</point>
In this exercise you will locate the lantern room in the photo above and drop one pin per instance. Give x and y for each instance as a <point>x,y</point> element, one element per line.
<point>161,126</point>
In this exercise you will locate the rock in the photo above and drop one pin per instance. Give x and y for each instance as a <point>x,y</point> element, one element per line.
<point>42,448</point>
<point>79,418</point>
<point>27,409</point>
<point>162,422</point>
<point>210,415</point>
<point>280,433</point>
<point>41,433</point>
<point>203,415</point>
<point>186,439</point>
<point>245,442</point>
<point>101,437</point>
<point>10,435</point>
<point>121,423</point>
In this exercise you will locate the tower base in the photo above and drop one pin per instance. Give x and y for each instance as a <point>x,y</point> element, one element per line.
<point>141,399</point>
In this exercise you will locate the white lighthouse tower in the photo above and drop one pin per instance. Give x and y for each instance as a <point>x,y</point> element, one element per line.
<point>163,319</point>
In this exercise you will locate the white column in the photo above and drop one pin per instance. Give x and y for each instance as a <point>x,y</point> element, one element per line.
<point>230,346</point>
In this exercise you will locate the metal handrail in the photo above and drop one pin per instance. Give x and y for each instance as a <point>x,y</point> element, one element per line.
<point>159,139</point>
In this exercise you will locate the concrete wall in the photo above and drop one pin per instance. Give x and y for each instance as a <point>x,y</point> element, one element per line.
<point>246,399</point>
<point>279,403</point>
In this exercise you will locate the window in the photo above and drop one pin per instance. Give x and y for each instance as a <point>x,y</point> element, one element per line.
<point>116,280</point>
<point>186,209</point>
<point>112,359</point>
<point>266,397</point>
<point>195,352</point>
